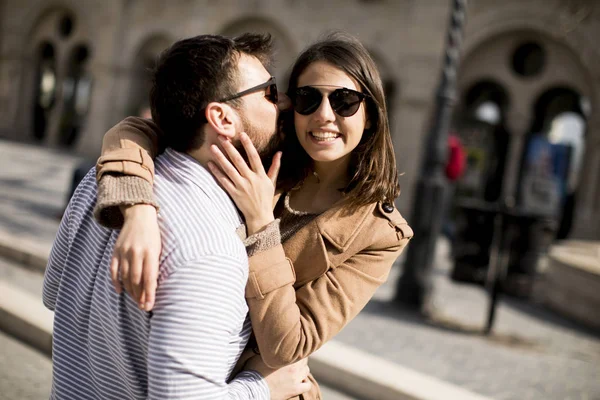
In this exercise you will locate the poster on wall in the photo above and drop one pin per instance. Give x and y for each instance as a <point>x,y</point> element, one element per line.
<point>544,176</point>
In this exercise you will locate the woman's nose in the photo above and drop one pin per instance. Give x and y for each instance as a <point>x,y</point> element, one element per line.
<point>325,112</point>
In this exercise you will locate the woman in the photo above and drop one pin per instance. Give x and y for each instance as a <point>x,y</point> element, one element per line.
<point>337,233</point>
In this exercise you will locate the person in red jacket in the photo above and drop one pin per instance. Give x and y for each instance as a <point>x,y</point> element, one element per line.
<point>455,168</point>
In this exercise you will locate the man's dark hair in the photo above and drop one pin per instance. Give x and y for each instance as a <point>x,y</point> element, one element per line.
<point>194,72</point>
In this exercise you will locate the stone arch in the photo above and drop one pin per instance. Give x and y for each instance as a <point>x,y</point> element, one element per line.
<point>516,17</point>
<point>145,57</point>
<point>494,58</point>
<point>572,62</point>
<point>64,30</point>
<point>285,48</point>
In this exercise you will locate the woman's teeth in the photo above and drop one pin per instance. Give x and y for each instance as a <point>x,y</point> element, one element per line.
<point>325,136</point>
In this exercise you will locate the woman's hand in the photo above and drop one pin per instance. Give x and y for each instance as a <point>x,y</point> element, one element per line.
<point>136,255</point>
<point>285,382</point>
<point>250,187</point>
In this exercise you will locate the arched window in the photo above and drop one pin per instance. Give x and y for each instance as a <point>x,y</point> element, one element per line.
<point>77,86</point>
<point>552,158</point>
<point>45,89</point>
<point>568,129</point>
<point>480,126</point>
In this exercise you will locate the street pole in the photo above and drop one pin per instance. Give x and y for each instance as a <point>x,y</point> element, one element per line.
<point>413,286</point>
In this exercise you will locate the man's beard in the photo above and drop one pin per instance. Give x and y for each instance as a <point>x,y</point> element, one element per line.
<point>266,145</point>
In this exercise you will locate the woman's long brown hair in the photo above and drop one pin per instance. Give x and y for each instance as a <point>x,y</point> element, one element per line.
<point>372,170</point>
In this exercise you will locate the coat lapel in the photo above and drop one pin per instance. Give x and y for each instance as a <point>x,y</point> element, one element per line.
<point>319,244</point>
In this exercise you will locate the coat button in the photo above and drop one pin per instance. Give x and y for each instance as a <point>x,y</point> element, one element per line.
<point>387,207</point>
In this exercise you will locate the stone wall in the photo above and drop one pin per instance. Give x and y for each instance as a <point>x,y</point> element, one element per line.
<point>406,38</point>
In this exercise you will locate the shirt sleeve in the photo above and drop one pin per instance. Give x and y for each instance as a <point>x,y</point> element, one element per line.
<point>200,311</point>
<point>56,262</point>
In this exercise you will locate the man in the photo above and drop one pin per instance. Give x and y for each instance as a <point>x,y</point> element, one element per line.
<point>104,346</point>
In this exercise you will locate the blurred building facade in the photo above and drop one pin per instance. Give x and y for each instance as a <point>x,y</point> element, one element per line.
<point>71,69</point>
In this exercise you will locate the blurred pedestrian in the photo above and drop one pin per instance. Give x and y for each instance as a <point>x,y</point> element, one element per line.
<point>455,168</point>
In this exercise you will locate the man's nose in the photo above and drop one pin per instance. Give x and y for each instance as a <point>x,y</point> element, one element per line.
<point>284,103</point>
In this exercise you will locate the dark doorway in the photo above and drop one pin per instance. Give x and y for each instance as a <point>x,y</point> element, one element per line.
<point>481,127</point>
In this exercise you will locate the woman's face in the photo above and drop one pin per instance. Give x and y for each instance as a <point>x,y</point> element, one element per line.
<point>325,135</point>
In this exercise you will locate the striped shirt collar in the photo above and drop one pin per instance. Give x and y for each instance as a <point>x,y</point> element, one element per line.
<point>187,167</point>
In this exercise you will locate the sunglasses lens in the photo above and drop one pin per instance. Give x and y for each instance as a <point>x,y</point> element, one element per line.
<point>307,100</point>
<point>345,102</point>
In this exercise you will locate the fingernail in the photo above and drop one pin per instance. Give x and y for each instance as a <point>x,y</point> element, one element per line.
<point>148,305</point>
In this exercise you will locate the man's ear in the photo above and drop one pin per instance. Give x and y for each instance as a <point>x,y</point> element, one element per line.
<point>222,118</point>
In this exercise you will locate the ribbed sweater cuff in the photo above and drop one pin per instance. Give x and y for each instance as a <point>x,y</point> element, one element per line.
<point>115,191</point>
<point>265,239</point>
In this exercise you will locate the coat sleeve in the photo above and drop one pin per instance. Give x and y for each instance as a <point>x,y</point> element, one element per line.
<point>129,147</point>
<point>125,170</point>
<point>290,324</point>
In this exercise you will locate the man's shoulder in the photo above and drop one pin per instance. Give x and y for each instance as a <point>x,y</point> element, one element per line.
<point>192,227</point>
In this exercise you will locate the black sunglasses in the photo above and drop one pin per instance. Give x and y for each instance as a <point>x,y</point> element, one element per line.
<point>271,93</point>
<point>344,102</point>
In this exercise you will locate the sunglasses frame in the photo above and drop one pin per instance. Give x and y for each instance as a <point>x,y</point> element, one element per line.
<point>271,82</point>
<point>361,96</point>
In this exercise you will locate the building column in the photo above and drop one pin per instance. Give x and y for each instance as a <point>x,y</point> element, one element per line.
<point>587,206</point>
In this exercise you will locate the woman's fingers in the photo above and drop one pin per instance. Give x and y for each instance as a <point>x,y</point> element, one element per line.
<point>274,169</point>
<point>150,282</point>
<point>135,274</point>
<point>114,273</point>
<point>125,281</point>
<point>235,156</point>
<point>304,386</point>
<point>252,154</point>
<point>222,178</point>
<point>226,166</point>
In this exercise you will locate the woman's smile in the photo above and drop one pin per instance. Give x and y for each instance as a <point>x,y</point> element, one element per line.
<point>324,137</point>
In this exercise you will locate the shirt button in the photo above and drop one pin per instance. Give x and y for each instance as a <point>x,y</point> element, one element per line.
<point>387,207</point>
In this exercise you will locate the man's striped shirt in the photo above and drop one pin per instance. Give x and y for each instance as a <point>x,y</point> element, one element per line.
<point>105,347</point>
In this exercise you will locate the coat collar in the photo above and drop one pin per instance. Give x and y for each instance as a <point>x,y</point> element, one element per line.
<point>340,226</point>
<point>308,249</point>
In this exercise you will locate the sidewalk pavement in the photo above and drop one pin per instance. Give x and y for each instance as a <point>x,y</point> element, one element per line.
<point>386,352</point>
